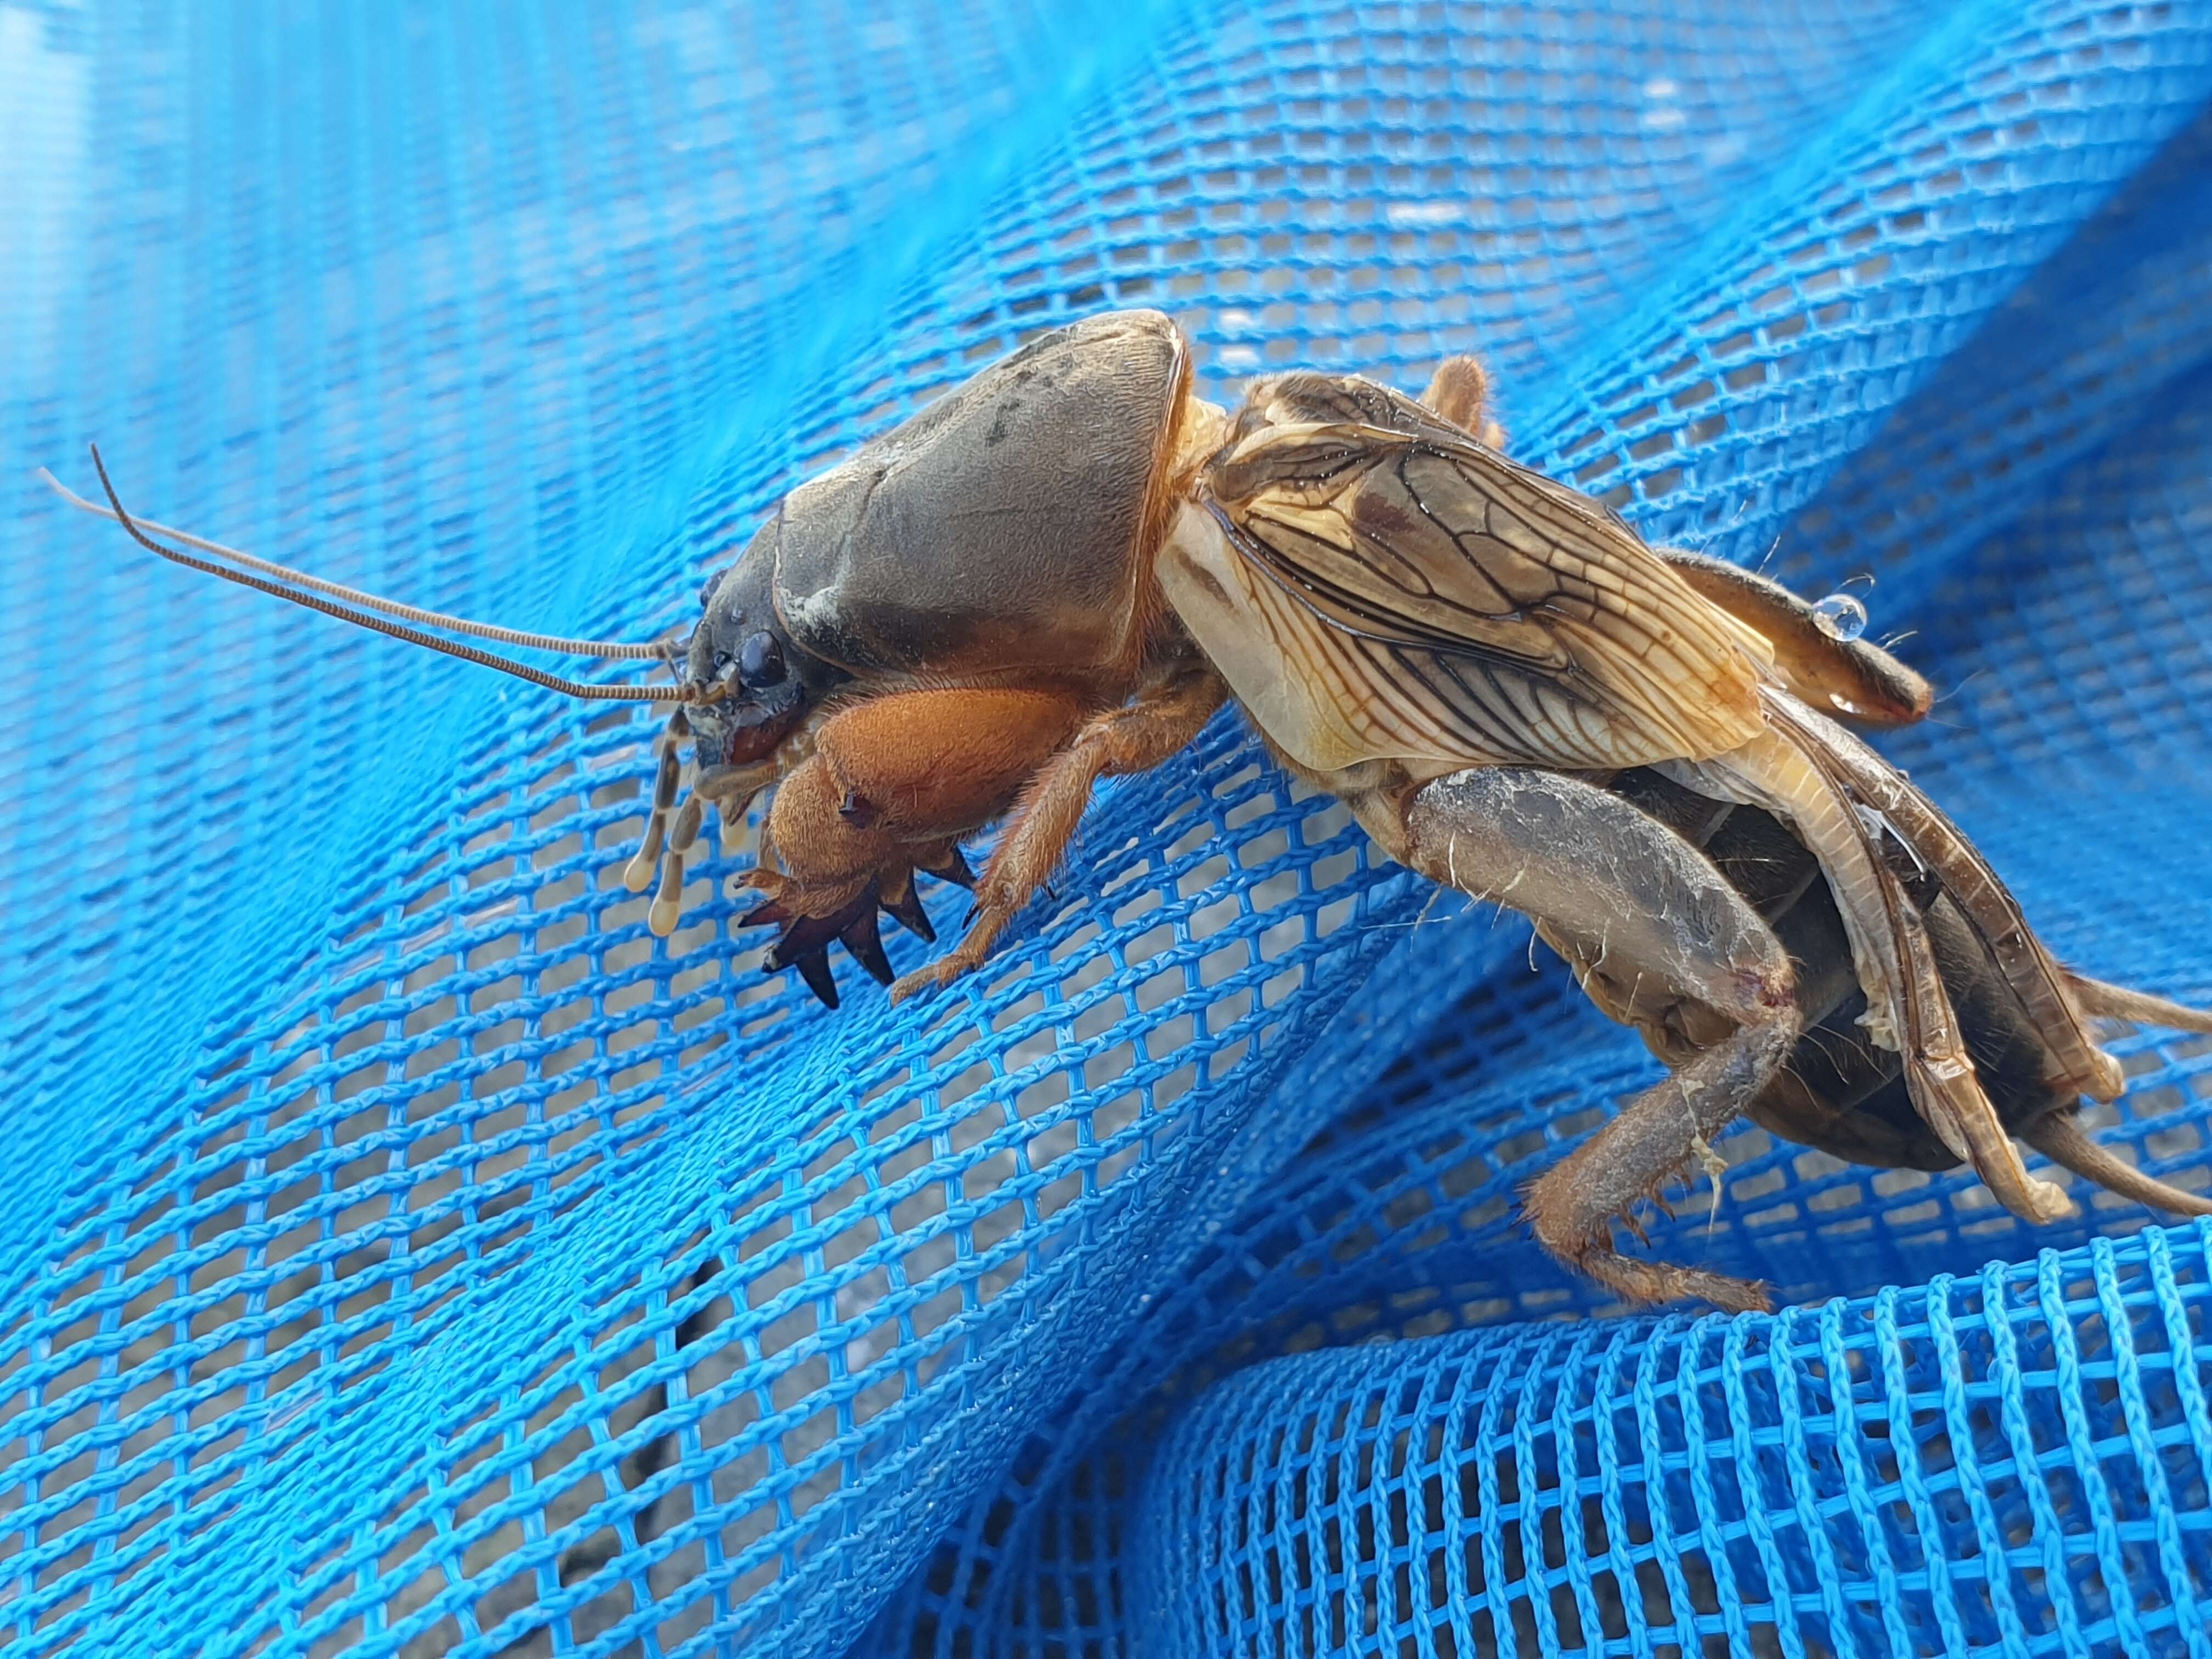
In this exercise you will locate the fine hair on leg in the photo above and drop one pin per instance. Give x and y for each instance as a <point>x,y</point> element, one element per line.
<point>1644,918</point>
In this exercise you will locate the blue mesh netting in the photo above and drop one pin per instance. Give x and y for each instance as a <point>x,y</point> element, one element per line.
<point>403,1253</point>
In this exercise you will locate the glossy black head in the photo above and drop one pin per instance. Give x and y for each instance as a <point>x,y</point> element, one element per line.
<point>760,685</point>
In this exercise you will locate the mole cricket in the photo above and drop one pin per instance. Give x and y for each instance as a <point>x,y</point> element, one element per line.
<point>1062,568</point>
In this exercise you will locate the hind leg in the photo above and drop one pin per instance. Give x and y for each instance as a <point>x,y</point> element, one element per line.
<point>1853,679</point>
<point>1649,924</point>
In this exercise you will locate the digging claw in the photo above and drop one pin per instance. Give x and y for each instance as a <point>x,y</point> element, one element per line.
<point>903,905</point>
<point>954,869</point>
<point>814,968</point>
<point>809,933</point>
<point>867,943</point>
<point>804,942</point>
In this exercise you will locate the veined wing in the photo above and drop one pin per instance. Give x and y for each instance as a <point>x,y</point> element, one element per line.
<point>1423,597</point>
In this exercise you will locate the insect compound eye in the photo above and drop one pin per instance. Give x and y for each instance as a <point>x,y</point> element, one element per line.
<point>760,661</point>
<point>706,588</point>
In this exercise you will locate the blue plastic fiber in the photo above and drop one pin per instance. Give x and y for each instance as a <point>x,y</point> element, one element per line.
<point>404,1253</point>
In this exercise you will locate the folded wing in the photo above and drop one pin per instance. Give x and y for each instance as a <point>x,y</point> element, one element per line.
<point>1375,594</point>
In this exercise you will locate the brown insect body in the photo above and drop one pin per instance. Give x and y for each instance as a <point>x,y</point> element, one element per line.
<point>1058,571</point>
<point>1476,655</point>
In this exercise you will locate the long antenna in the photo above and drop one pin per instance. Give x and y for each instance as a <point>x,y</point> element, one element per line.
<point>397,630</point>
<point>608,648</point>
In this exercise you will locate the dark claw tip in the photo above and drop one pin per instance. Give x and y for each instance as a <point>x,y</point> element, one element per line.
<point>814,968</point>
<point>909,915</point>
<point>863,939</point>
<point>955,870</point>
<point>807,933</point>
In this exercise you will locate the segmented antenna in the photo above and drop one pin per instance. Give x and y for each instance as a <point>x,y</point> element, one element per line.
<point>659,853</point>
<point>609,649</point>
<point>567,688</point>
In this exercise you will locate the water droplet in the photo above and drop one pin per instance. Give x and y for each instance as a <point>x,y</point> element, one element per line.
<point>1841,617</point>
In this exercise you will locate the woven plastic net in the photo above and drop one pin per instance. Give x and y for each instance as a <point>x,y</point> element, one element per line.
<point>402,1251</point>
